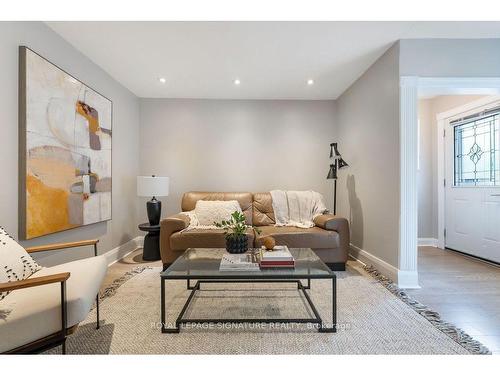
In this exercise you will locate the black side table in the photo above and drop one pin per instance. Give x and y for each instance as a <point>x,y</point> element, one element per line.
<point>151,248</point>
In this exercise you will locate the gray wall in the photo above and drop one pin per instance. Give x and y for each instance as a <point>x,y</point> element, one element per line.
<point>237,145</point>
<point>450,57</point>
<point>43,40</point>
<point>428,109</point>
<point>368,134</point>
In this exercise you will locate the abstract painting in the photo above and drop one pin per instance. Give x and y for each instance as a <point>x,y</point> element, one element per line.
<point>65,150</point>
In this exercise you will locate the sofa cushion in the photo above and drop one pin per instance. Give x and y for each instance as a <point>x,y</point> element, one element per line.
<point>210,212</point>
<point>15,263</point>
<point>315,237</point>
<point>189,200</point>
<point>33,313</point>
<point>263,213</point>
<point>211,238</point>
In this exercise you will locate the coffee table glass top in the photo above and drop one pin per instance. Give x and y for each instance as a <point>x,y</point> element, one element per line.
<point>204,263</point>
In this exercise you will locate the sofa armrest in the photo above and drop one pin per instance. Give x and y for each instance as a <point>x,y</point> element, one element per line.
<point>34,281</point>
<point>337,224</point>
<point>330,222</point>
<point>168,226</point>
<point>175,223</point>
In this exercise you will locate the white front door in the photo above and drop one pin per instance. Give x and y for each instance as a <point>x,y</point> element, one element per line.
<point>472,210</point>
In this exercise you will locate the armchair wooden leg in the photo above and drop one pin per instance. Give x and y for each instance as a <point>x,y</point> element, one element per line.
<point>97,311</point>
<point>64,316</point>
<point>98,325</point>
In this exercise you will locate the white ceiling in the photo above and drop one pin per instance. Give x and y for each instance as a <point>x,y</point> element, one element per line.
<point>273,60</point>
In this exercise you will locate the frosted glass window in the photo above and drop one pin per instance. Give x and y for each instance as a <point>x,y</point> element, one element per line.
<point>477,154</point>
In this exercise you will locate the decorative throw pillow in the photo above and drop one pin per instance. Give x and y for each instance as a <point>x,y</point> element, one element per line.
<point>208,212</point>
<point>15,263</point>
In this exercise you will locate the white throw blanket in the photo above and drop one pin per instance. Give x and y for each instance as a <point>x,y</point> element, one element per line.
<point>297,208</point>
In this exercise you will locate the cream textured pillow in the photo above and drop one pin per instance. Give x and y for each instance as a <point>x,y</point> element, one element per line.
<point>15,263</point>
<point>208,212</point>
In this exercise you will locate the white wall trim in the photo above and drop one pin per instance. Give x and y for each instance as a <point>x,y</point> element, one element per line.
<point>404,279</point>
<point>443,120</point>
<point>467,107</point>
<point>428,242</point>
<point>459,82</point>
<point>408,196</point>
<point>440,180</point>
<point>123,250</point>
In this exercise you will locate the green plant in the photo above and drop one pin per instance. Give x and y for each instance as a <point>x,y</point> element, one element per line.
<point>235,226</point>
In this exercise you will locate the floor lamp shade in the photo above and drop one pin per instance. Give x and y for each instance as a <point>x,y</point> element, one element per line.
<point>342,163</point>
<point>338,163</point>
<point>332,173</point>
<point>153,186</point>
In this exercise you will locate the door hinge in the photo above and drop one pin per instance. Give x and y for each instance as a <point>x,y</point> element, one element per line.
<point>444,182</point>
<point>444,133</point>
<point>444,232</point>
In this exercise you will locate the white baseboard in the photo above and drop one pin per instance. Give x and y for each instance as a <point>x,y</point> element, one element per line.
<point>404,279</point>
<point>428,242</point>
<point>369,259</point>
<point>123,250</point>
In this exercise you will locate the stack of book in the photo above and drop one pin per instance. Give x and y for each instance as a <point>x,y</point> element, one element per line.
<point>279,257</point>
<point>239,262</point>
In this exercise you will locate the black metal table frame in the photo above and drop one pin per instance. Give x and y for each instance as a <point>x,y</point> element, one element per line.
<point>180,320</point>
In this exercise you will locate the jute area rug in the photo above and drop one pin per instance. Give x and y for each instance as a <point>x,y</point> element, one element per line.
<point>372,319</point>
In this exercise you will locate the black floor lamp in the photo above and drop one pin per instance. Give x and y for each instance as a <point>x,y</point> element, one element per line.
<point>338,163</point>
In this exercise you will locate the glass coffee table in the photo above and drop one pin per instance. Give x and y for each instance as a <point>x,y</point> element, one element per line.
<point>202,266</point>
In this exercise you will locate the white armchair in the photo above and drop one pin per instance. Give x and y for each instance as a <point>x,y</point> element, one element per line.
<point>42,310</point>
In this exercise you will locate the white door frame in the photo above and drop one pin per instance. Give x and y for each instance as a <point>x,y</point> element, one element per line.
<point>408,139</point>
<point>442,119</point>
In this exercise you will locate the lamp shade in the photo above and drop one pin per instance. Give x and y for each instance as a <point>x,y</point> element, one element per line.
<point>342,163</point>
<point>152,186</point>
<point>335,150</point>
<point>332,173</point>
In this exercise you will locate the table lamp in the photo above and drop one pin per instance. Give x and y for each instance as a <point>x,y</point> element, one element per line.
<point>153,186</point>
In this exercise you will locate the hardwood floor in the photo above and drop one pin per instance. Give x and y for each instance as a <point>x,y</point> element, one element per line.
<point>465,291</point>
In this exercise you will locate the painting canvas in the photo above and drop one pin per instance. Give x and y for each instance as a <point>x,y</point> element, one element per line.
<point>65,150</point>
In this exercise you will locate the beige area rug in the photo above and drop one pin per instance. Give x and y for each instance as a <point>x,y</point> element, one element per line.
<point>371,318</point>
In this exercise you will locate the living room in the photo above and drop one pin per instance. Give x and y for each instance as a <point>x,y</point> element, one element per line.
<point>237,187</point>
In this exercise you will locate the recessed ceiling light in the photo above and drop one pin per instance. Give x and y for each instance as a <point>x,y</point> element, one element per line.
<point>310,82</point>
<point>162,80</point>
<point>237,81</point>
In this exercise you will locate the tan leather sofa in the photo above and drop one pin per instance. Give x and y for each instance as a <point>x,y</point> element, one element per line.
<point>329,238</point>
